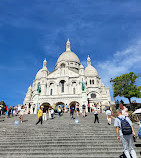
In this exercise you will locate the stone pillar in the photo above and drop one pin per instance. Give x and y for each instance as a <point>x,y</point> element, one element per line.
<point>36,109</point>
<point>43,87</point>
<point>84,100</point>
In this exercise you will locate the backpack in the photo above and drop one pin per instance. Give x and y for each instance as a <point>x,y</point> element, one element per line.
<point>59,110</point>
<point>83,106</point>
<point>139,133</point>
<point>125,126</point>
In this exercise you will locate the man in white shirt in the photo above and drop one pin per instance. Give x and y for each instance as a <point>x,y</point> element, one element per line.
<point>0,111</point>
<point>52,113</point>
<point>96,114</point>
<point>127,140</point>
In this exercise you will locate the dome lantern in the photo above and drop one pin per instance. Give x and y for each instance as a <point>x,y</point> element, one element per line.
<point>44,63</point>
<point>88,60</point>
<point>68,48</point>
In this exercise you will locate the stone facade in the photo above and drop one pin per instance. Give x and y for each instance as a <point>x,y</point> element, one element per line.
<point>64,84</point>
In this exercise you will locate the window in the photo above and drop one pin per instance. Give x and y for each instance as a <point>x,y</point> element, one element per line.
<point>62,65</point>
<point>62,86</point>
<point>51,91</point>
<point>73,90</point>
<point>92,81</point>
<point>93,95</point>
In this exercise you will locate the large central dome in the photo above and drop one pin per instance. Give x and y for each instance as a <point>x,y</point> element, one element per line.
<point>68,55</point>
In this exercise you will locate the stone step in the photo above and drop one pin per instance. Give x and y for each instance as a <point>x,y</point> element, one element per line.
<point>61,154</point>
<point>71,156</point>
<point>58,143</point>
<point>59,138</point>
<point>52,147</point>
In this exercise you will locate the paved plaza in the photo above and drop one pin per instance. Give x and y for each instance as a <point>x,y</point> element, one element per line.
<point>60,138</point>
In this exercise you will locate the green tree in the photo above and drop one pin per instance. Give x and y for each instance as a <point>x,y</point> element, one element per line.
<point>125,85</point>
<point>139,88</point>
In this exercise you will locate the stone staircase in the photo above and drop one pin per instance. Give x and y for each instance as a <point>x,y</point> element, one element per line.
<point>60,138</point>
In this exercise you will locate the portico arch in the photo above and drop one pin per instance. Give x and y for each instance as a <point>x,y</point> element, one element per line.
<point>46,105</point>
<point>73,103</point>
<point>60,103</point>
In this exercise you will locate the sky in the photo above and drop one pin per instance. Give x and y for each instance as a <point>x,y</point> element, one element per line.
<point>32,30</point>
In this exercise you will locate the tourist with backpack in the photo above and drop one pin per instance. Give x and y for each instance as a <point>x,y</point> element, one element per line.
<point>139,132</point>
<point>125,133</point>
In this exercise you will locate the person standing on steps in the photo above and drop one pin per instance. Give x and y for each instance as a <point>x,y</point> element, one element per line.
<point>83,110</point>
<point>52,113</point>
<point>9,111</point>
<point>22,113</point>
<point>33,108</point>
<point>77,109</point>
<point>44,113</point>
<point>125,132</point>
<point>59,111</point>
<point>88,107</point>
<point>72,111</point>
<point>96,114</point>
<point>38,106</point>
<point>40,115</point>
<point>108,114</point>
<point>0,111</point>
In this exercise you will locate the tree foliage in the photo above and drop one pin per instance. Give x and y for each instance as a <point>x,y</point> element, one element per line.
<point>125,85</point>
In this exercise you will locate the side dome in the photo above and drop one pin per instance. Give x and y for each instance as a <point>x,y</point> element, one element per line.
<point>42,72</point>
<point>91,71</point>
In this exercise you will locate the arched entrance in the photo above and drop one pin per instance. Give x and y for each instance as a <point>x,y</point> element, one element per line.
<point>46,106</point>
<point>73,103</point>
<point>60,103</point>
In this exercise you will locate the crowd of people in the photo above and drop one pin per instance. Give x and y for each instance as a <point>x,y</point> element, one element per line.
<point>44,113</point>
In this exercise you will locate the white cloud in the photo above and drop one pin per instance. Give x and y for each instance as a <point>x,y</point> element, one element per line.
<point>122,62</point>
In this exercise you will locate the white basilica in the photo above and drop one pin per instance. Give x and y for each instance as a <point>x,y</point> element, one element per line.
<point>64,84</point>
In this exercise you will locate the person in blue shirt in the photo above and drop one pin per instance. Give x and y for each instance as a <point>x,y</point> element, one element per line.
<point>72,111</point>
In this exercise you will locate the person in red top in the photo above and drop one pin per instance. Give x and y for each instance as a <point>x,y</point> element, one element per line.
<point>88,107</point>
<point>6,109</point>
<point>9,111</point>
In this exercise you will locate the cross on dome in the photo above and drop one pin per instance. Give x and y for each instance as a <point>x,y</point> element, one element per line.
<point>68,48</point>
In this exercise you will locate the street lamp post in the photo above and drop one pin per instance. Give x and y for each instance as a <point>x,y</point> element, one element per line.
<point>111,81</point>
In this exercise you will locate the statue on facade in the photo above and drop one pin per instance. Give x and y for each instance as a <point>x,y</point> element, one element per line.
<point>38,88</point>
<point>83,86</point>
